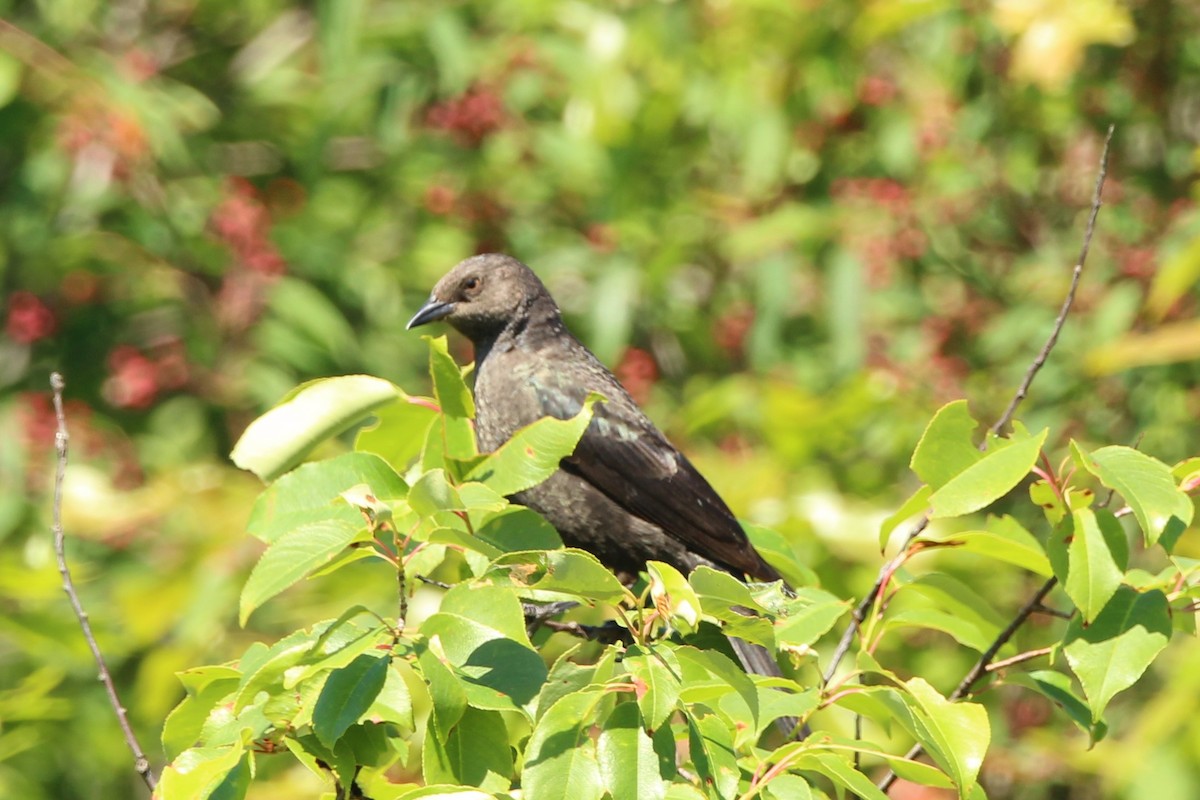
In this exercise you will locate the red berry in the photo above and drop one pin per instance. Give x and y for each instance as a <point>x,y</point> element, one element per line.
<point>28,318</point>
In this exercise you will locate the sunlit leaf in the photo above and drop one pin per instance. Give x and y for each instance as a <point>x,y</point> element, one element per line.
<point>474,751</point>
<point>1093,573</point>
<point>348,692</point>
<point>572,572</point>
<point>316,411</point>
<point>1004,539</point>
<point>628,764</point>
<point>560,759</point>
<point>313,492</point>
<point>955,734</point>
<point>533,453</point>
<point>453,396</point>
<point>292,557</point>
<point>658,674</point>
<point>197,773</point>
<point>987,480</point>
<point>1111,653</point>
<point>945,449</point>
<point>1148,487</point>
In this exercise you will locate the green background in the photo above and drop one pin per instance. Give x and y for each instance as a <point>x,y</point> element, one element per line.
<point>795,229</point>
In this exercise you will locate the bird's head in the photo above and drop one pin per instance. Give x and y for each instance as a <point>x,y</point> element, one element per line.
<point>483,295</point>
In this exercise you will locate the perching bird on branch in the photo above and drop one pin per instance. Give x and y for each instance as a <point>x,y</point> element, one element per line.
<point>627,494</point>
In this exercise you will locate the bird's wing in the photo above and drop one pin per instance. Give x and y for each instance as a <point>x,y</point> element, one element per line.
<point>627,458</point>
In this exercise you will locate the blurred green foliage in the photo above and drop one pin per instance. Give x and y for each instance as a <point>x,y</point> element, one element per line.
<point>794,229</point>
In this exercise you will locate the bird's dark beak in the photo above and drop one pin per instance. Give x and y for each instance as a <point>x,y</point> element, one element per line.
<point>431,312</point>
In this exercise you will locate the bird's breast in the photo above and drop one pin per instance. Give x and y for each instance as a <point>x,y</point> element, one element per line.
<point>506,397</point>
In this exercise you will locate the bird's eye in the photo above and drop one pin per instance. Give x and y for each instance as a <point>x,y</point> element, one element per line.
<point>471,285</point>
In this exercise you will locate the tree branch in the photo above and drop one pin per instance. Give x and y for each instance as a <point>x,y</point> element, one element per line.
<point>1069,300</point>
<point>140,763</point>
<point>868,601</point>
<point>1036,602</point>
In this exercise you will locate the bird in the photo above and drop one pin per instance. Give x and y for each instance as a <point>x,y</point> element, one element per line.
<point>625,494</point>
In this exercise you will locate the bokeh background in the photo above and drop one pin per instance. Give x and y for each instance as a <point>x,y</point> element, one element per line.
<point>793,227</point>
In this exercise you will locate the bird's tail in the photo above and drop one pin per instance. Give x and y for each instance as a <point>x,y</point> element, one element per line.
<point>758,659</point>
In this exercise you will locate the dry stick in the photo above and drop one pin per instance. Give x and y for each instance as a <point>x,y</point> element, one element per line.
<point>1035,603</point>
<point>885,572</point>
<point>140,763</point>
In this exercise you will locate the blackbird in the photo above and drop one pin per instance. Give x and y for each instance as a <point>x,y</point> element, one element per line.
<point>626,494</point>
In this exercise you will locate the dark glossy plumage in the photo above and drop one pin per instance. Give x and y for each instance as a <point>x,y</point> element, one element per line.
<point>626,494</point>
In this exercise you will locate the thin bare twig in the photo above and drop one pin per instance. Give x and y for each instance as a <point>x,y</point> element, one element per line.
<point>140,763</point>
<point>868,601</point>
<point>1036,602</point>
<point>1069,300</point>
<point>1019,658</point>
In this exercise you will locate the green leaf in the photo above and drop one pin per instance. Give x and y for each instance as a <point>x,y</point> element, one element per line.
<point>808,617</point>
<point>185,722</point>
<point>313,492</point>
<point>533,453</point>
<point>198,773</point>
<point>945,449</point>
<point>445,792</point>
<point>987,480</point>
<point>565,677</point>
<point>560,759</point>
<point>918,502</point>
<point>482,632</point>
<point>719,593</point>
<point>517,528</point>
<point>1058,689</point>
<point>292,557</point>
<point>449,388</point>
<point>1004,540</point>
<point>340,643</point>
<point>474,751</point>
<point>432,493</point>
<point>673,596</point>
<point>1046,498</point>
<point>628,763</point>
<point>394,702</point>
<point>657,674</point>
<point>571,572</point>
<point>263,667</point>
<point>777,550</point>
<point>919,772</point>
<point>786,786</point>
<point>840,769</point>
<point>449,443</point>
<point>777,697</point>
<point>956,735</point>
<point>946,593</point>
<point>1092,573</point>
<point>348,692</point>
<point>966,632</point>
<point>316,411</point>
<point>398,433</point>
<point>712,751</point>
<point>446,692</point>
<point>702,666</point>
<point>1111,653</point>
<point>496,607</point>
<point>1148,487</point>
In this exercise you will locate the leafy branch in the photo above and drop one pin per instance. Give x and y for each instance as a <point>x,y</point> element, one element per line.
<point>889,568</point>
